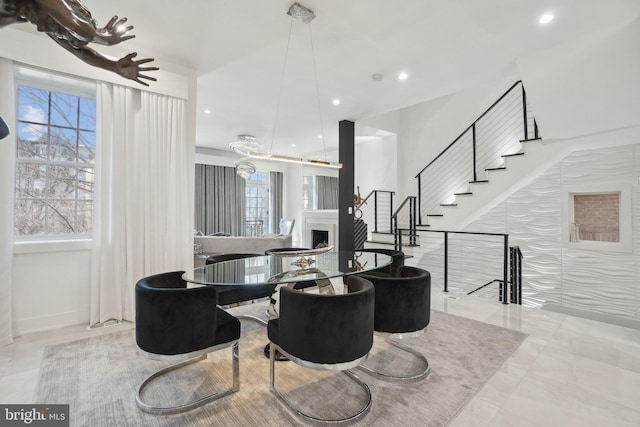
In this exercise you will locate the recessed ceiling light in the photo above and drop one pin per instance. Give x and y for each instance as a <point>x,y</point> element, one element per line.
<point>319,136</point>
<point>293,145</point>
<point>546,18</point>
<point>336,102</point>
<point>207,111</point>
<point>403,76</point>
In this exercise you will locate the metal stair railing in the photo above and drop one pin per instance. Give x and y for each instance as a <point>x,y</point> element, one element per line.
<point>405,218</point>
<point>515,272</point>
<point>376,211</point>
<point>496,243</point>
<point>495,133</point>
<point>515,282</point>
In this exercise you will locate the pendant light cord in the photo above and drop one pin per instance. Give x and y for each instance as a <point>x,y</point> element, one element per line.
<point>315,76</point>
<point>284,68</point>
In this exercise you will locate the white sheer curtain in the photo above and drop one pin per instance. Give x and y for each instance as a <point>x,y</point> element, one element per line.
<point>220,200</point>
<point>327,192</point>
<point>144,217</point>
<point>7,179</point>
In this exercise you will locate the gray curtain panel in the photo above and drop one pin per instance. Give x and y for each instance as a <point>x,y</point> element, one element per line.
<point>327,192</point>
<point>275,194</point>
<point>219,200</point>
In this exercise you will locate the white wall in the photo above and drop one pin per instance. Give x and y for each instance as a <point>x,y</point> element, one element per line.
<point>7,166</point>
<point>587,86</point>
<point>376,165</point>
<point>51,287</point>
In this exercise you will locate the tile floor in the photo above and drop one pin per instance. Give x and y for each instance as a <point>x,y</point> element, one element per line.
<point>568,372</point>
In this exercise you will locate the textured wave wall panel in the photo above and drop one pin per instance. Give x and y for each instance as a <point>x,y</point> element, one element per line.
<point>604,282</point>
<point>599,281</point>
<point>533,223</point>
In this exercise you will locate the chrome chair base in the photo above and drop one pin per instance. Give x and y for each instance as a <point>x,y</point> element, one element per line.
<point>342,421</point>
<point>397,378</point>
<point>167,410</point>
<point>263,322</point>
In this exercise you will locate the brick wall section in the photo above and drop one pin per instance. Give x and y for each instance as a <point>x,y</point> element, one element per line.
<point>598,216</point>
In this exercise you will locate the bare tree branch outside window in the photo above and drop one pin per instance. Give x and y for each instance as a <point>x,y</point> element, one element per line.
<point>54,164</point>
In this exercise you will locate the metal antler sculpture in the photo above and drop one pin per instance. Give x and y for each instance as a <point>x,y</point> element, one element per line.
<point>70,24</point>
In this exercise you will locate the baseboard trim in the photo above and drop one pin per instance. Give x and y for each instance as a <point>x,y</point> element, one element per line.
<point>54,321</point>
<point>600,317</point>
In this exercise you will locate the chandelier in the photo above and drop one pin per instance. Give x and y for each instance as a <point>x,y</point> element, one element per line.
<point>247,145</point>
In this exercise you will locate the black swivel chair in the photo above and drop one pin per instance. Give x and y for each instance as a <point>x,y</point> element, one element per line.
<point>183,324</point>
<point>403,307</point>
<point>332,332</point>
<point>397,261</point>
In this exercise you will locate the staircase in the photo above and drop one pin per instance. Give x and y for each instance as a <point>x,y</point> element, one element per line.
<point>493,157</point>
<point>482,196</point>
<point>476,170</point>
<point>376,211</point>
<point>383,221</point>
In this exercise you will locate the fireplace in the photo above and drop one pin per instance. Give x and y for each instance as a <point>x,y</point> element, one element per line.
<point>319,237</point>
<point>320,230</point>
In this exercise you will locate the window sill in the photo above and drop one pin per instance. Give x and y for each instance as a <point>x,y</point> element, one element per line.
<point>37,246</point>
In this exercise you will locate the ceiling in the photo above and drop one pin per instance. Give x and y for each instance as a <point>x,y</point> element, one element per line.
<point>237,48</point>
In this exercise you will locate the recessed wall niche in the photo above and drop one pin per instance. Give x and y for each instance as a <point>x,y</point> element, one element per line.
<point>597,217</point>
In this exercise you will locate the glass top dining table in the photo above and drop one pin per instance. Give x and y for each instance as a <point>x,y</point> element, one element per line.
<point>286,269</point>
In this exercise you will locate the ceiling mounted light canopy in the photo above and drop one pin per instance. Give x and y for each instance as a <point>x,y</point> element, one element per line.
<point>248,147</point>
<point>301,13</point>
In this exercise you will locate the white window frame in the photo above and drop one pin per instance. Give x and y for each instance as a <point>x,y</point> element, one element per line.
<point>624,220</point>
<point>309,192</point>
<point>72,85</point>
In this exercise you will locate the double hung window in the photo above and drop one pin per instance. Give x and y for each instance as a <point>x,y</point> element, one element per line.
<point>55,154</point>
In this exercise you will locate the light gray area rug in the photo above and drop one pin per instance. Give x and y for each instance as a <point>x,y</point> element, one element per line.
<point>98,377</point>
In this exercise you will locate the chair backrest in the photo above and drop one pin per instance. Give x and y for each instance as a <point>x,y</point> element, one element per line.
<point>397,261</point>
<point>403,303</point>
<point>327,329</point>
<point>286,226</point>
<point>276,250</point>
<point>212,259</point>
<point>172,319</point>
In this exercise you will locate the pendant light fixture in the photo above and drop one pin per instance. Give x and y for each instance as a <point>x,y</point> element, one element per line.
<point>249,148</point>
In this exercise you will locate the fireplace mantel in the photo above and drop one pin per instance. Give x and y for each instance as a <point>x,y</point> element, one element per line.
<point>324,220</point>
